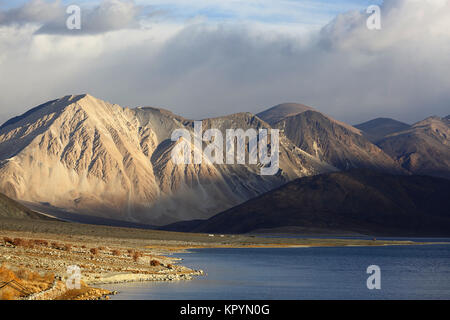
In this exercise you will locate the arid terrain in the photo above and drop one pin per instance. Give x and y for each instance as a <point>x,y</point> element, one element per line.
<point>45,257</point>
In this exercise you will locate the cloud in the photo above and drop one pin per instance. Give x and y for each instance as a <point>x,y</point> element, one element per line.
<point>108,15</point>
<point>35,11</point>
<point>199,68</point>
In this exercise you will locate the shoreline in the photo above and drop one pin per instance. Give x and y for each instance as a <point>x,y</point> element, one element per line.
<point>113,255</point>
<point>193,250</point>
<point>131,278</point>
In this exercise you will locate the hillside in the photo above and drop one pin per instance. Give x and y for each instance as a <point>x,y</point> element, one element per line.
<point>357,201</point>
<point>377,129</point>
<point>422,149</point>
<point>335,143</point>
<point>12,209</point>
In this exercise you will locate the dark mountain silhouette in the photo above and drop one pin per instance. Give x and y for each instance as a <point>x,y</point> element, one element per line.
<point>12,209</point>
<point>377,129</point>
<point>360,201</point>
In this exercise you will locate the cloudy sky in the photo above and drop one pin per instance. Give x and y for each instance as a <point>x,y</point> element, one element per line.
<point>203,58</point>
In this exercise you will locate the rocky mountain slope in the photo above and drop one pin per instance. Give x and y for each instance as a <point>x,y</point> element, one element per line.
<point>85,155</point>
<point>334,142</point>
<point>359,201</point>
<point>422,149</point>
<point>377,129</point>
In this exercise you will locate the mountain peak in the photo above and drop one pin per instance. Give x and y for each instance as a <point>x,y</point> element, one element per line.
<point>376,129</point>
<point>380,120</point>
<point>43,108</point>
<point>283,110</point>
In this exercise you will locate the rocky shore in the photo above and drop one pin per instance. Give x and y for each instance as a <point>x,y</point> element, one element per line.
<point>100,261</point>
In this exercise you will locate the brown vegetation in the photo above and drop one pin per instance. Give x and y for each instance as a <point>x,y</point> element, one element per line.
<point>155,263</point>
<point>28,281</point>
<point>137,255</point>
<point>58,246</point>
<point>42,243</point>
<point>7,240</point>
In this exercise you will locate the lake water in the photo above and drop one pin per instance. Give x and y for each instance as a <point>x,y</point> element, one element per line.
<point>407,272</point>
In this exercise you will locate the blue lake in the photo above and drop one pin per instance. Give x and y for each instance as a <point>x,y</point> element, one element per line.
<point>407,272</point>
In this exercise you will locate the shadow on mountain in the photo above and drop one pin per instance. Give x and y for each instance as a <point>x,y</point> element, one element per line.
<point>357,201</point>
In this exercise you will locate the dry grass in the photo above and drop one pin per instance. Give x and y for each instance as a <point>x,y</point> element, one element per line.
<point>82,293</point>
<point>19,242</point>
<point>7,240</point>
<point>155,263</point>
<point>32,281</point>
<point>57,246</point>
<point>116,252</point>
<point>94,251</point>
<point>137,255</point>
<point>42,243</point>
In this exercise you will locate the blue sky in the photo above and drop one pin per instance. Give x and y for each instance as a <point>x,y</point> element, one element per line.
<point>310,12</point>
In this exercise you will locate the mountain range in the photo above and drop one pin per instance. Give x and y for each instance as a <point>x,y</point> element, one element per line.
<point>356,201</point>
<point>87,156</point>
<point>331,141</point>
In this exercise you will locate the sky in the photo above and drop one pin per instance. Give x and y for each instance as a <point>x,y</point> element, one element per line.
<point>206,58</point>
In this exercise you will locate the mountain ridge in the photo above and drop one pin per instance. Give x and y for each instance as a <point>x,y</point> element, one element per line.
<point>114,161</point>
<point>424,148</point>
<point>357,201</point>
<point>377,129</point>
<point>85,155</point>
<point>334,143</point>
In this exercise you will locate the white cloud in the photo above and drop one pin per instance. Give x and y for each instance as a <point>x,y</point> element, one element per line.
<point>107,15</point>
<point>34,11</point>
<point>206,69</point>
